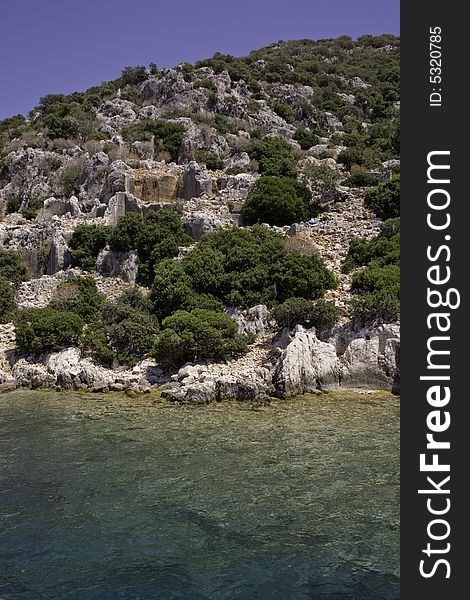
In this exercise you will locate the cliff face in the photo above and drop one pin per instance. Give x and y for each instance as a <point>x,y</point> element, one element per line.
<point>183,139</point>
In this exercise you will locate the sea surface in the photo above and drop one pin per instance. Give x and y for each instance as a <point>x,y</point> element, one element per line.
<point>108,497</point>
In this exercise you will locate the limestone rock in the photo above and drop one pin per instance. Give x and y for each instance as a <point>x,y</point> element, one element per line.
<point>255,320</point>
<point>306,364</point>
<point>118,264</point>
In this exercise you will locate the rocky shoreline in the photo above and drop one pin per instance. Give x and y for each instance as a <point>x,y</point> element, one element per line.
<point>282,365</point>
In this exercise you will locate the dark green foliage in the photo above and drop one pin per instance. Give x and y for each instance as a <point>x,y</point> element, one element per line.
<point>322,315</point>
<point>96,343</point>
<point>379,307</point>
<point>13,204</point>
<point>134,298</point>
<point>124,235</point>
<point>155,236</point>
<point>384,199</point>
<point>285,111</point>
<point>350,157</point>
<point>275,157</point>
<point>278,201</point>
<point>306,138</point>
<point>7,300</point>
<point>199,334</point>
<point>297,275</point>
<point>133,75</point>
<point>234,170</point>
<point>86,243</point>
<point>360,178</point>
<point>239,267</point>
<point>211,160</point>
<point>40,330</point>
<point>379,282</point>
<point>166,136</point>
<point>67,117</point>
<point>34,205</point>
<point>378,278</point>
<point>67,178</point>
<point>61,127</point>
<point>78,295</point>
<point>322,178</point>
<point>130,331</point>
<point>171,290</point>
<point>12,267</point>
<point>382,250</point>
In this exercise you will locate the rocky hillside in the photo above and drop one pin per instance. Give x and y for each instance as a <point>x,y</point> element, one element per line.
<point>129,184</point>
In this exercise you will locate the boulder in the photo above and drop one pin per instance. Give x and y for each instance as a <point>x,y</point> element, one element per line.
<point>256,320</point>
<point>196,181</point>
<point>306,364</point>
<point>118,264</point>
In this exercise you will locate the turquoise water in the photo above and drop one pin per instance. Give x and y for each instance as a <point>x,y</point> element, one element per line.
<point>106,497</point>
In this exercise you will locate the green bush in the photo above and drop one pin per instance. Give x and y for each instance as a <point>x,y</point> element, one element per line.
<point>78,295</point>
<point>350,157</point>
<point>155,236</point>
<point>275,157</point>
<point>384,249</point>
<point>96,343</point>
<point>12,267</point>
<point>67,178</point>
<point>7,300</point>
<point>196,335</point>
<point>86,243</point>
<point>13,204</point>
<point>322,178</point>
<point>133,337</point>
<point>241,267</point>
<point>211,160</point>
<point>166,136</point>
<point>285,111</point>
<point>360,178</point>
<point>306,138</point>
<point>301,276</point>
<point>322,315</point>
<point>171,290</point>
<point>384,199</point>
<point>40,330</point>
<point>277,201</point>
<point>374,308</point>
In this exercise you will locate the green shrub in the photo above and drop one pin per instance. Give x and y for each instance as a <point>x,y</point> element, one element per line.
<point>67,177</point>
<point>210,159</point>
<point>40,330</point>
<point>322,315</point>
<point>7,300</point>
<point>301,276</point>
<point>33,208</point>
<point>155,236</point>
<point>384,249</point>
<point>350,157</point>
<point>166,136</point>
<point>171,290</point>
<point>245,267</point>
<point>12,267</point>
<point>322,178</point>
<point>133,75</point>
<point>285,111</point>
<point>96,343</point>
<point>277,201</point>
<point>384,199</point>
<point>360,178</point>
<point>275,157</point>
<point>86,243</point>
<point>306,138</point>
<point>377,278</point>
<point>61,127</point>
<point>78,295</point>
<point>234,170</point>
<point>13,204</point>
<point>199,334</point>
<point>374,308</point>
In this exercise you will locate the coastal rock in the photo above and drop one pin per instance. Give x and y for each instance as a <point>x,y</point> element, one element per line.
<point>306,364</point>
